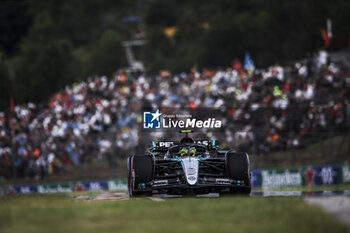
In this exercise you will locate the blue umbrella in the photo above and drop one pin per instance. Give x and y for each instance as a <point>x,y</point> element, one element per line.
<point>131,19</point>
<point>248,62</point>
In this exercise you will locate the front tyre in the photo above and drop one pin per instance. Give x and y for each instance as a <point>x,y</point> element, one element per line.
<point>238,169</point>
<point>140,171</point>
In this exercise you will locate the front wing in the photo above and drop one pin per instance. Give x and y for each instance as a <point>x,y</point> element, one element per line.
<point>169,178</point>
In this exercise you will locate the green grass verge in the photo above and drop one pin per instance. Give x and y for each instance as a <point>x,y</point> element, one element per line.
<point>60,213</point>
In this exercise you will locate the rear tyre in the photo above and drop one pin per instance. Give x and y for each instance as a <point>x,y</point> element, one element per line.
<point>140,170</point>
<point>238,169</point>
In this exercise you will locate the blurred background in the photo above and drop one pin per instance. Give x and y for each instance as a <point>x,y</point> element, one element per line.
<point>76,76</point>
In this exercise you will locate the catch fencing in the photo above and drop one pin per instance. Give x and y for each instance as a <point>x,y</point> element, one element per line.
<point>260,178</point>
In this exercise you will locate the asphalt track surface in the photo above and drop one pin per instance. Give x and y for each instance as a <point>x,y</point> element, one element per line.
<point>336,203</point>
<point>339,206</point>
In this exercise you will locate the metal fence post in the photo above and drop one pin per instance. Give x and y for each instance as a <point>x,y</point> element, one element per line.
<point>292,149</point>
<point>330,145</point>
<point>255,151</point>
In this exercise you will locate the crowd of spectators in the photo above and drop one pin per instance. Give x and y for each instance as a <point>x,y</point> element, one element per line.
<point>101,118</point>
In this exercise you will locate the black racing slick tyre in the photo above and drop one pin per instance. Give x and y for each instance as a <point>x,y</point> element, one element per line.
<point>140,171</point>
<point>129,176</point>
<point>238,169</point>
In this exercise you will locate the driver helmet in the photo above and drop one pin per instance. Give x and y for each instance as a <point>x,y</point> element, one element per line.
<point>193,151</point>
<point>183,152</point>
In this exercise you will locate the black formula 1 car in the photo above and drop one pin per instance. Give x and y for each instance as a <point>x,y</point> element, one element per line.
<point>188,167</point>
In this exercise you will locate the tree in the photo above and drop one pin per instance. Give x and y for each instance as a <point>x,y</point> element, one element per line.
<point>44,71</point>
<point>108,54</point>
<point>5,84</point>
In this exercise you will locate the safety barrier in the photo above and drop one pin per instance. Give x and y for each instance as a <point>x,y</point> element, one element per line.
<point>300,176</point>
<point>112,185</point>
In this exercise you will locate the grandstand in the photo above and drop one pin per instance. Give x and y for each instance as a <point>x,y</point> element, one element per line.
<point>264,110</point>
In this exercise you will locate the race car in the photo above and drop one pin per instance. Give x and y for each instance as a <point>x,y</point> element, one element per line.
<point>188,167</point>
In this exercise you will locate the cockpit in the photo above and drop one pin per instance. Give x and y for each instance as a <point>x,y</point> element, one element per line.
<point>187,150</point>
